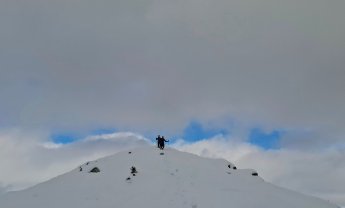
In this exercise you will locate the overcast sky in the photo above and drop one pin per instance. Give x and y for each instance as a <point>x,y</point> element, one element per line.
<point>156,66</point>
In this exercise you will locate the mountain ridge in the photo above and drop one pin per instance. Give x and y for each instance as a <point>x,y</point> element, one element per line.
<point>167,178</point>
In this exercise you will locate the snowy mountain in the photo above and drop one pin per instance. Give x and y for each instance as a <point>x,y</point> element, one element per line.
<point>151,178</point>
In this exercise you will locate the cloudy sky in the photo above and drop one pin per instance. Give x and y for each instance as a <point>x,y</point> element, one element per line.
<point>260,83</point>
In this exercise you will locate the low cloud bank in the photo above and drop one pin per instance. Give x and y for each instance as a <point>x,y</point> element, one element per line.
<point>313,173</point>
<point>29,158</point>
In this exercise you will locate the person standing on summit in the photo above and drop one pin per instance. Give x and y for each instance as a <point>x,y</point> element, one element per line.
<point>161,142</point>
<point>158,139</point>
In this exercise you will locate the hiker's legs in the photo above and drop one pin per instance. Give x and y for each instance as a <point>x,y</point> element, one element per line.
<point>160,145</point>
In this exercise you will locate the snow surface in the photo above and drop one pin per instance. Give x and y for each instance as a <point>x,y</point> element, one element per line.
<point>171,180</point>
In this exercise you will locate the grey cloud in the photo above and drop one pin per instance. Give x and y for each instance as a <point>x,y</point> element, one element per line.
<point>2,189</point>
<point>158,64</point>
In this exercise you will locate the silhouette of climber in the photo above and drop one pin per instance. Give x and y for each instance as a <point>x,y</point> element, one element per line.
<point>161,142</point>
<point>158,139</point>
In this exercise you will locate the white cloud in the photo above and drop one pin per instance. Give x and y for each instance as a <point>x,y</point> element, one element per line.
<point>28,158</point>
<point>314,173</point>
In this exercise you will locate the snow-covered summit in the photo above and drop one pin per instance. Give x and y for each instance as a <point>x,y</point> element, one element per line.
<point>150,178</point>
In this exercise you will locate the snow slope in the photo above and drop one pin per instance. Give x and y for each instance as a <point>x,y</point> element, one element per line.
<point>173,180</point>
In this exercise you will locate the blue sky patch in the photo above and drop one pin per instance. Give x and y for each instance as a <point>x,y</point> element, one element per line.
<point>195,131</point>
<point>65,138</point>
<point>103,131</point>
<point>265,140</point>
<point>70,137</point>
